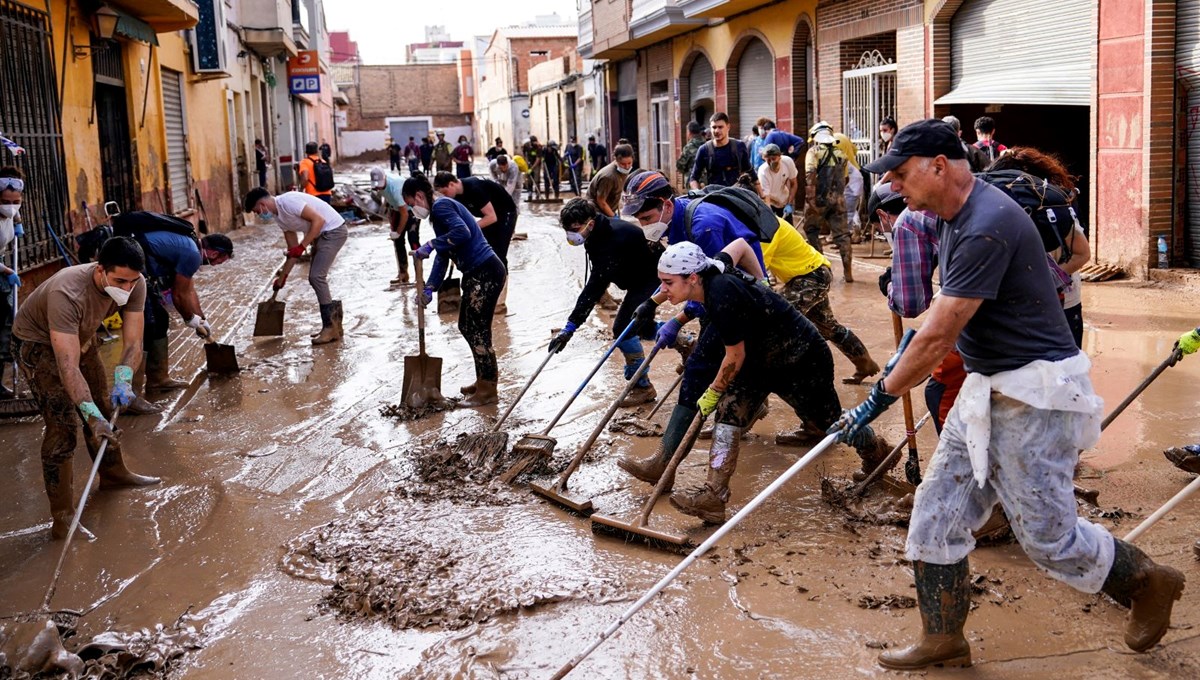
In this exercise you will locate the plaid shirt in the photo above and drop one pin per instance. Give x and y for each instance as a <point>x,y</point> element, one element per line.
<point>914,256</point>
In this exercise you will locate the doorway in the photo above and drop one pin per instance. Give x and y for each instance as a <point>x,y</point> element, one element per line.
<point>112,126</point>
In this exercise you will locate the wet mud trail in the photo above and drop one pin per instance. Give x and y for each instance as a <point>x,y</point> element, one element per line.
<point>306,535</point>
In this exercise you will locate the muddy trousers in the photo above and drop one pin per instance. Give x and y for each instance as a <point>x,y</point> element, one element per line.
<point>809,294</point>
<point>480,290</point>
<point>702,365</point>
<point>6,322</point>
<point>325,250</point>
<point>1031,459</point>
<point>410,233</point>
<point>834,218</point>
<point>60,415</point>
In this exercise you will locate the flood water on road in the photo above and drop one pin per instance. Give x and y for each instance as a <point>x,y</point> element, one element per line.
<point>294,525</point>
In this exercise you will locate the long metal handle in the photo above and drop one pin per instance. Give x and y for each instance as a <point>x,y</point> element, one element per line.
<point>1170,361</point>
<point>420,307</point>
<point>579,390</point>
<point>62,557</point>
<point>528,384</point>
<point>703,548</point>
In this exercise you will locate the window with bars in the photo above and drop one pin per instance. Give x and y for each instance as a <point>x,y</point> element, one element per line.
<point>30,116</point>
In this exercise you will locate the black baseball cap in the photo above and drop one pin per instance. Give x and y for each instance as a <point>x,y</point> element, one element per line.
<point>882,197</point>
<point>927,138</point>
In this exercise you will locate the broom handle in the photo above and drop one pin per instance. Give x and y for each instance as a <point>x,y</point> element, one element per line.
<point>16,269</point>
<point>663,399</point>
<point>579,390</point>
<point>62,557</point>
<point>629,385</point>
<point>525,389</point>
<point>911,432</point>
<point>704,547</point>
<point>681,452</point>
<point>420,307</point>
<point>1170,361</point>
<point>1159,513</point>
<point>887,463</point>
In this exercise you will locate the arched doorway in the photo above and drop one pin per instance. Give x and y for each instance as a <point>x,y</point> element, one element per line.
<point>804,95</point>
<point>754,82</point>
<point>701,91</point>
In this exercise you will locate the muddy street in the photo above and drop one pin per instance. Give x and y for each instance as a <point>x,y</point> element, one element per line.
<point>302,532</point>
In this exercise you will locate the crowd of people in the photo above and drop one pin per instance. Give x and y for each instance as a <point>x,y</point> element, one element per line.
<point>741,253</point>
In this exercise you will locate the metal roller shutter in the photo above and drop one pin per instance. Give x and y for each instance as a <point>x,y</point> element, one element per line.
<point>700,81</point>
<point>756,86</point>
<point>177,161</point>
<point>1022,52</point>
<point>1187,68</point>
<point>627,80</point>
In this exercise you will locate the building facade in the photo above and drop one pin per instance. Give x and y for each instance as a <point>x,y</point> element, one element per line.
<point>502,101</point>
<point>395,102</point>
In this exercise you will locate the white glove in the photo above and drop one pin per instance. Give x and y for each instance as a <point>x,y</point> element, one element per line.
<point>853,220</point>
<point>202,327</point>
<point>394,235</point>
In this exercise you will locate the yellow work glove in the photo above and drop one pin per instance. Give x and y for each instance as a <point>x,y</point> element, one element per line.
<point>1189,342</point>
<point>707,403</point>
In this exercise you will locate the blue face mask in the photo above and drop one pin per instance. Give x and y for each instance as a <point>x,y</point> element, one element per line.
<point>267,216</point>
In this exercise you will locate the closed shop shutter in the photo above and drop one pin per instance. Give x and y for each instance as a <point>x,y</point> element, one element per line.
<point>756,86</point>
<point>1023,52</point>
<point>627,80</point>
<point>177,162</point>
<point>1187,63</point>
<point>700,81</point>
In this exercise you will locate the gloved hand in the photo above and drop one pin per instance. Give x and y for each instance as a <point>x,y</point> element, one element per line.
<point>200,325</point>
<point>99,426</point>
<point>707,403</point>
<point>295,251</point>
<point>693,310</point>
<point>425,296</point>
<point>394,235</point>
<point>668,333</point>
<point>18,230</point>
<point>122,391</point>
<point>885,281</point>
<point>787,210</point>
<point>645,311</point>
<point>1189,342</point>
<point>853,420</point>
<point>853,220</point>
<point>12,279</point>
<point>559,342</point>
<point>279,282</point>
<point>424,251</point>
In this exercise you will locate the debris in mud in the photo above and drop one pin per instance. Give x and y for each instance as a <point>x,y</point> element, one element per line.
<point>636,426</point>
<point>406,414</point>
<point>877,506</point>
<point>417,566</point>
<point>886,602</point>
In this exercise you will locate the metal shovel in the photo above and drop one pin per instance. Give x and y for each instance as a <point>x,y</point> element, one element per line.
<point>220,358</point>
<point>422,373</point>
<point>270,317</point>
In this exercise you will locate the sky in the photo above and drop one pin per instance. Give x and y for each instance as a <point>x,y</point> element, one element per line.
<point>383,33</point>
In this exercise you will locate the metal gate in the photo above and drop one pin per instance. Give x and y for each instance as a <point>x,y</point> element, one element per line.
<point>1187,73</point>
<point>29,116</point>
<point>112,125</point>
<point>175,123</point>
<point>868,96</point>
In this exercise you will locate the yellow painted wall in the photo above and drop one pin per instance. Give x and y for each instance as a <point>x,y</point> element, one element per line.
<point>776,24</point>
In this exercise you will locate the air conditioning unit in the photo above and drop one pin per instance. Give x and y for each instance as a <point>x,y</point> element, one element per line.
<point>209,53</point>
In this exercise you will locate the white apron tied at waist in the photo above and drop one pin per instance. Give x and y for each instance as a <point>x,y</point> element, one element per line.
<point>1047,385</point>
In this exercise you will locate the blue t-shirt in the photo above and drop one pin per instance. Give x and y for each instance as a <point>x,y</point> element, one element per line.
<point>713,228</point>
<point>991,250</point>
<point>786,141</point>
<point>756,147</point>
<point>171,254</point>
<point>458,238</point>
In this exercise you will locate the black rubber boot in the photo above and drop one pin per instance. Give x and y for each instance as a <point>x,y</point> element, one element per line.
<point>944,598</point>
<point>650,469</point>
<point>1149,590</point>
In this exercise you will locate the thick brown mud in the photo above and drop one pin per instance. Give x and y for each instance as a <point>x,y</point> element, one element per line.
<point>312,536</point>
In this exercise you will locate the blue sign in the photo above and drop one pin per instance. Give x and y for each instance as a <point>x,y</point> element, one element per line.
<point>304,84</point>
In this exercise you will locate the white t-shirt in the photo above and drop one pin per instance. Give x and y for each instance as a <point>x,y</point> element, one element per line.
<point>292,203</point>
<point>774,184</point>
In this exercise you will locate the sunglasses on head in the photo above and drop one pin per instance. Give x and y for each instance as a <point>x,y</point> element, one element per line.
<point>11,183</point>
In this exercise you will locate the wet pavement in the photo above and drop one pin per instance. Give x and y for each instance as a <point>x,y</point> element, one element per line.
<point>298,529</point>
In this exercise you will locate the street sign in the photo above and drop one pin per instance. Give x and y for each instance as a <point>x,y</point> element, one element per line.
<point>304,73</point>
<point>304,84</point>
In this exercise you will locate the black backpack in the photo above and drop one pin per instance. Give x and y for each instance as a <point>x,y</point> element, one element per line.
<point>322,176</point>
<point>745,205</point>
<point>138,223</point>
<point>1048,204</point>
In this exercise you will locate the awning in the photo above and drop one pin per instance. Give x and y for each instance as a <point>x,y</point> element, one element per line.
<point>134,28</point>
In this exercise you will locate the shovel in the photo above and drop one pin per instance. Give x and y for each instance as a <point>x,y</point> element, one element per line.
<point>449,296</point>
<point>557,492</point>
<point>270,316</point>
<point>422,373</point>
<point>220,358</point>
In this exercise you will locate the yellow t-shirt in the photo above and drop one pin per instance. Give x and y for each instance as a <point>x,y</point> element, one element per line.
<point>789,254</point>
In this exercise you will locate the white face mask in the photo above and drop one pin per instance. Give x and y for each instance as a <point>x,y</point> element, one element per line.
<point>575,238</point>
<point>9,211</point>
<point>419,212</point>
<point>886,136</point>
<point>654,232</point>
<point>118,295</point>
<point>624,171</point>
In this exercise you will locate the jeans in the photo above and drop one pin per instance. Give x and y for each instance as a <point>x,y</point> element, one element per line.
<point>325,250</point>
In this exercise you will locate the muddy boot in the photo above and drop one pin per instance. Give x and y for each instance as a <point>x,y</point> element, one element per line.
<point>854,350</point>
<point>944,598</point>
<point>643,392</point>
<point>871,448</point>
<point>649,470</point>
<point>157,377</point>
<point>60,489</point>
<point>847,254</point>
<point>707,501</point>
<point>1186,458</point>
<point>336,318</point>
<point>328,332</point>
<point>485,393</point>
<point>805,435</point>
<point>1148,589</point>
<point>469,389</point>
<point>140,406</point>
<point>502,301</point>
<point>763,410</point>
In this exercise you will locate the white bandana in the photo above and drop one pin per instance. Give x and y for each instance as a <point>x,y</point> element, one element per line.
<point>684,258</point>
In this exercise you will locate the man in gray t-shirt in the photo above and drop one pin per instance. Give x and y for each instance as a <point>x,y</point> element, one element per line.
<point>1024,412</point>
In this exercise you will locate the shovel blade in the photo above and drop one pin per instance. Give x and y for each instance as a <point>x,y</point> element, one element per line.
<point>449,297</point>
<point>221,358</point>
<point>422,380</point>
<point>270,318</point>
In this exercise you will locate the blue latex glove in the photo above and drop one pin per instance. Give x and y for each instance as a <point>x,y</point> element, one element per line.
<point>667,334</point>
<point>787,210</point>
<point>12,279</point>
<point>694,310</point>
<point>424,251</point>
<point>564,336</point>
<point>425,296</point>
<point>707,403</point>
<point>852,422</point>
<point>122,391</point>
<point>18,230</point>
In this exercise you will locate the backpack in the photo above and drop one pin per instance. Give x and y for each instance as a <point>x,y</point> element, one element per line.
<point>745,205</point>
<point>322,176</point>
<point>138,223</point>
<point>1049,205</point>
<point>711,156</point>
<point>831,177</point>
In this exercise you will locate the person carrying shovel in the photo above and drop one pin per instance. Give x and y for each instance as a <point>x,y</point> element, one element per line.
<point>55,339</point>
<point>619,253</point>
<point>306,220</point>
<point>459,239</point>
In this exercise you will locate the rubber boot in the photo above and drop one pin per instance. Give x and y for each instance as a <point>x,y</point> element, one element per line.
<point>1186,458</point>
<point>944,598</point>
<point>1148,589</point>
<point>650,469</point>
<point>847,254</point>
<point>643,392</point>
<point>707,501</point>
<point>763,410</point>
<point>328,332</point>
<point>60,489</point>
<point>336,317</point>
<point>485,393</point>
<point>854,350</point>
<point>158,378</point>
<point>469,389</point>
<point>140,406</point>
<point>113,472</point>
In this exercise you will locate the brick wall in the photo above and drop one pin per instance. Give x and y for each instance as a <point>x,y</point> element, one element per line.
<point>829,73</point>
<point>910,74</point>
<point>556,48</point>
<point>839,20</point>
<point>1160,172</point>
<point>403,90</point>
<point>610,23</point>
